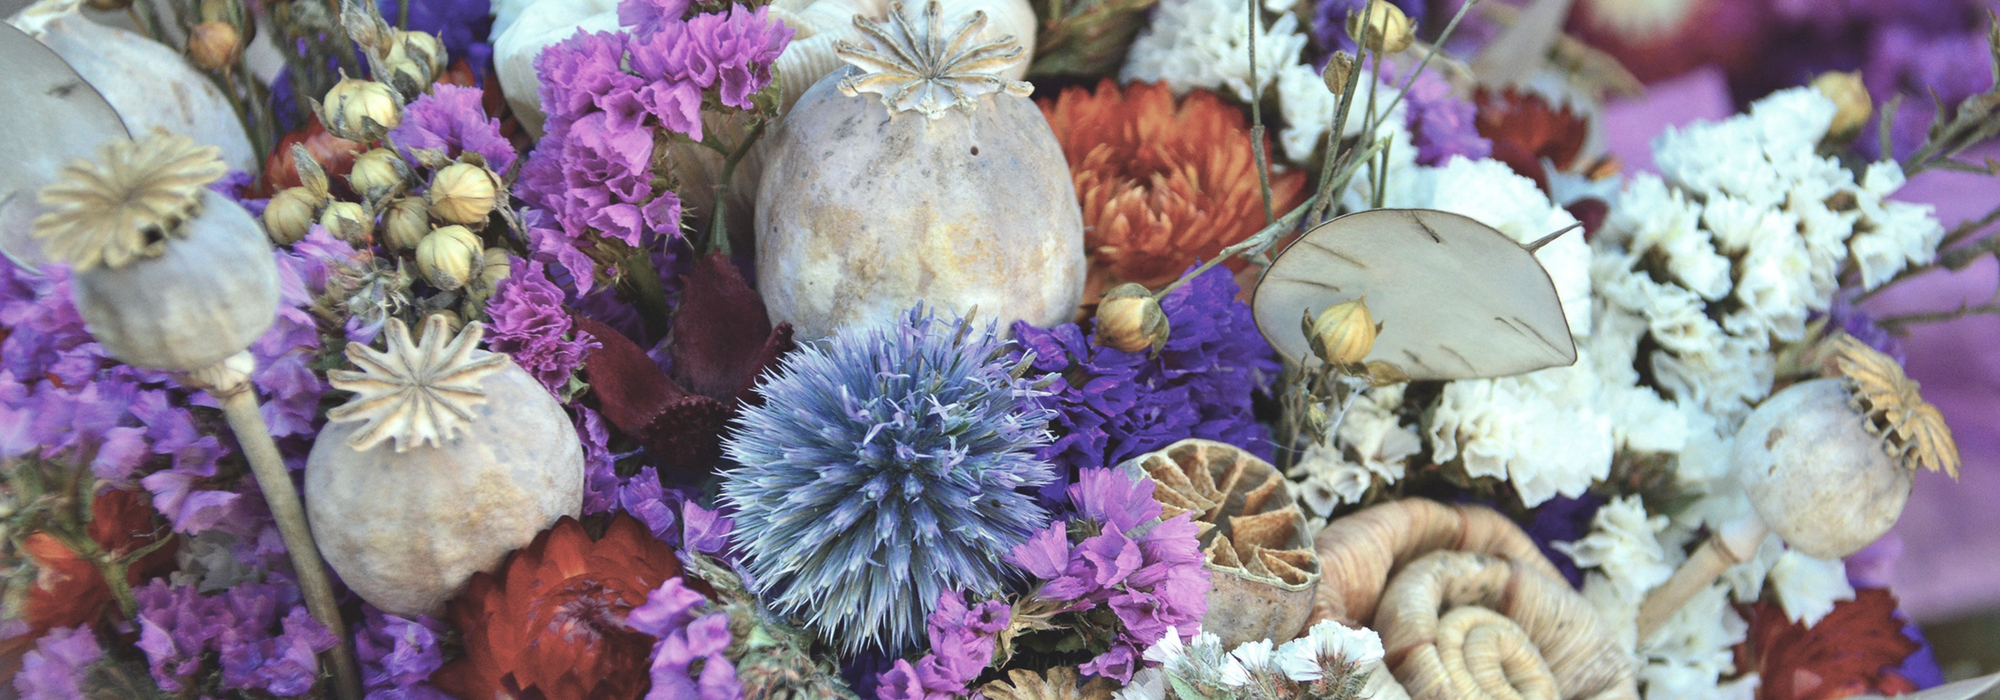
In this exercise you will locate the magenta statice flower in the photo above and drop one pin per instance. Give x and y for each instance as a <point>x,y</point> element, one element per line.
<point>181,630</point>
<point>647,16</point>
<point>688,632</point>
<point>531,326</point>
<point>452,119</point>
<point>1441,125</point>
<point>399,655</point>
<point>962,641</point>
<point>59,665</point>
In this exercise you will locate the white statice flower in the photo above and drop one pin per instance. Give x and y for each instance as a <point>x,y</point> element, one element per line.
<point>1825,232</point>
<point>1247,660</point>
<point>1624,544</point>
<point>1726,383</point>
<point>1694,648</point>
<point>1774,287</point>
<point>1658,218</point>
<point>1329,640</point>
<point>1309,108</point>
<point>1883,178</point>
<point>1328,480</point>
<point>1540,431</point>
<point>1204,44</point>
<point>1808,587</point>
<point>1147,684</point>
<point>1373,429</point>
<point>1746,578</point>
<point>1891,235</point>
<point>1755,156</point>
<point>1641,420</point>
<point>1493,194</point>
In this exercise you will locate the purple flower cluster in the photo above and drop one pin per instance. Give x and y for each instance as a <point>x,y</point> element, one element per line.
<point>673,613</point>
<point>451,119</point>
<point>1848,317</point>
<point>962,641</point>
<point>531,326</point>
<point>399,655</point>
<point>59,665</point>
<point>607,94</point>
<point>600,465</point>
<point>1329,21</point>
<point>1441,125</point>
<point>1908,61</point>
<point>1149,572</point>
<point>179,628</point>
<point>1114,405</point>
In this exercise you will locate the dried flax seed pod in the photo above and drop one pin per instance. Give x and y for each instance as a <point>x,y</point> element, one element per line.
<point>1463,626</point>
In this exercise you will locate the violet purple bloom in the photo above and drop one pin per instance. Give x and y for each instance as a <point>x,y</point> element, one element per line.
<point>399,655</point>
<point>179,630</point>
<point>451,119</point>
<point>531,326</point>
<point>1441,125</point>
<point>962,641</point>
<point>673,613</point>
<point>59,665</point>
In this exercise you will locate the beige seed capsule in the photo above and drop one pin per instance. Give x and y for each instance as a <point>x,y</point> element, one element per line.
<point>1343,334</point>
<point>463,193</point>
<point>1130,319</point>
<point>447,256</point>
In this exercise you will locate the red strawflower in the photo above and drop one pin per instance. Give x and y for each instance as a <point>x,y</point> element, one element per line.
<point>551,624</point>
<point>69,590</point>
<point>1525,129</point>
<point>1162,184</point>
<point>334,154</point>
<point>1848,653</point>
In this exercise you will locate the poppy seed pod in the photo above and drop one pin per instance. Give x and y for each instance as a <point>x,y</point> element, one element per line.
<point>1389,30</point>
<point>405,222</point>
<point>1343,334</point>
<point>360,110</point>
<point>289,215</point>
<point>349,222</point>
<point>379,173</point>
<point>214,46</point>
<point>1130,319</point>
<point>447,256</point>
<point>463,193</point>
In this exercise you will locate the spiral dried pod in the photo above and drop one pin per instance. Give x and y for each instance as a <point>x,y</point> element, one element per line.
<point>1468,626</point>
<point>1365,548</point>
<point>1253,536</point>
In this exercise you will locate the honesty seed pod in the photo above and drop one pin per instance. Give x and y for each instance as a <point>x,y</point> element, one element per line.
<point>168,274</point>
<point>1130,319</point>
<point>953,190</point>
<point>447,458</point>
<point>379,173</point>
<point>463,193</point>
<point>360,110</point>
<point>446,257</point>
<point>405,222</point>
<point>289,215</point>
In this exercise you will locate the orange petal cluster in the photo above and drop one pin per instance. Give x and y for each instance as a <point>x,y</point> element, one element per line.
<point>1163,183</point>
<point>1846,654</point>
<point>551,624</point>
<point>69,590</point>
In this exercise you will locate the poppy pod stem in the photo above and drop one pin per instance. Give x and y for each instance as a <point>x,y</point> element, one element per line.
<point>229,382</point>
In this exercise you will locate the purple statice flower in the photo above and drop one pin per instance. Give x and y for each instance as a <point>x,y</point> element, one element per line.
<point>647,16</point>
<point>643,497</point>
<point>1114,405</point>
<point>59,665</point>
<point>459,25</point>
<point>1848,317</point>
<point>705,531</point>
<point>676,615</point>
<point>180,629</point>
<point>962,640</point>
<point>1149,573</point>
<point>1564,519</point>
<point>531,326</point>
<point>1329,21</point>
<point>1441,125</point>
<point>601,485</point>
<point>399,655</point>
<point>452,119</point>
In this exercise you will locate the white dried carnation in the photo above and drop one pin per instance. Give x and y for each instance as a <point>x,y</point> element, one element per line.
<point>1540,431</point>
<point>1656,217</point>
<point>1308,107</point>
<point>1746,578</point>
<point>1756,156</point>
<point>1203,44</point>
<point>1624,544</point>
<point>1694,648</point>
<point>1808,587</point>
<point>1328,479</point>
<point>1373,429</point>
<point>1493,194</point>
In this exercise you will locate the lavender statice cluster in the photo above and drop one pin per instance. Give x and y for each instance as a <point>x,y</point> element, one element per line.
<point>1113,405</point>
<point>258,633</point>
<point>1117,553</point>
<point>609,94</point>
<point>1441,124</point>
<point>451,119</point>
<point>58,668</point>
<point>688,660</point>
<point>887,466</point>
<point>398,655</point>
<point>1328,662</point>
<point>962,640</point>
<point>531,326</point>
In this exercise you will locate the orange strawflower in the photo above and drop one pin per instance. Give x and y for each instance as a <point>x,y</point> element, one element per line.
<point>1162,184</point>
<point>1848,653</point>
<point>551,624</point>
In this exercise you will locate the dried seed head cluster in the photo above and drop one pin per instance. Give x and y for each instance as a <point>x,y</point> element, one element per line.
<point>1910,426</point>
<point>929,71</point>
<point>128,202</point>
<point>414,393</point>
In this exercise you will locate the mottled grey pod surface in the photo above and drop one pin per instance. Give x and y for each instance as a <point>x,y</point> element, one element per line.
<point>209,296</point>
<point>407,530</point>
<point>860,215</point>
<point>1816,475</point>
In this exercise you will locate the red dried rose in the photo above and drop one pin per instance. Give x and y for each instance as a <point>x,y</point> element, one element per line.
<point>69,590</point>
<point>1846,654</point>
<point>551,626</point>
<point>334,154</point>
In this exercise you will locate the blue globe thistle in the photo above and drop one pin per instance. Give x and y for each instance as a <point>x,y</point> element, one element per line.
<point>887,466</point>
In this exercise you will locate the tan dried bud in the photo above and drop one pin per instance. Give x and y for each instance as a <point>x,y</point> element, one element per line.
<point>497,268</point>
<point>1338,69</point>
<point>405,222</point>
<point>423,49</point>
<point>1130,319</point>
<point>1343,334</point>
<point>452,321</point>
<point>360,110</point>
<point>289,215</point>
<point>1852,105</point>
<point>447,256</point>
<point>379,173</point>
<point>408,77</point>
<point>349,222</point>
<point>214,46</point>
<point>463,193</point>
<point>1389,30</point>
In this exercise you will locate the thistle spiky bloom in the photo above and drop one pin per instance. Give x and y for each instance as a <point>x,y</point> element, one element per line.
<point>887,466</point>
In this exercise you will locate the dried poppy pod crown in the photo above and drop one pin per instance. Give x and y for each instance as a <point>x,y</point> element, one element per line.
<point>926,71</point>
<point>127,203</point>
